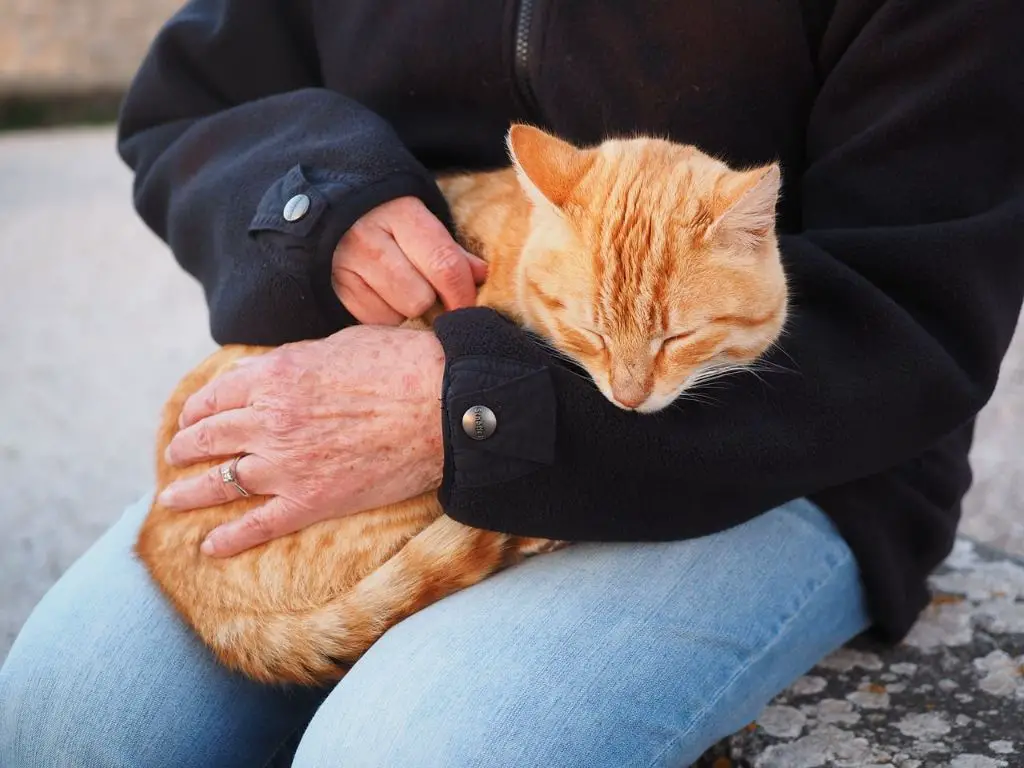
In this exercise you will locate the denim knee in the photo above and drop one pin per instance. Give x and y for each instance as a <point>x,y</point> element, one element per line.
<point>104,673</point>
<point>41,716</point>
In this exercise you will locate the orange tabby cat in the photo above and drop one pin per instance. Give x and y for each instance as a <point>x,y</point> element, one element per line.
<point>649,263</point>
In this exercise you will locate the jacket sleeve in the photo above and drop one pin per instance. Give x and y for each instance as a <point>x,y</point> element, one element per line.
<point>225,122</point>
<point>907,278</point>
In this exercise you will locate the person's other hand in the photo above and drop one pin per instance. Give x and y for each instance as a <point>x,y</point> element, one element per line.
<point>328,428</point>
<point>397,260</point>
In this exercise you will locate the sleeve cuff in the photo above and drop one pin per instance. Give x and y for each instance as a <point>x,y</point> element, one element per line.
<point>309,211</point>
<point>493,363</point>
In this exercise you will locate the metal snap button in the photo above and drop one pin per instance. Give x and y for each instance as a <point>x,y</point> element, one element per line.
<point>296,208</point>
<point>479,422</point>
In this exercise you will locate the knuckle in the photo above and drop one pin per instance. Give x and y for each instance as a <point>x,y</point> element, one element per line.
<point>202,439</point>
<point>217,486</point>
<point>445,261</point>
<point>280,365</point>
<point>344,282</point>
<point>353,286</point>
<point>420,304</point>
<point>360,244</point>
<point>348,297</point>
<point>404,206</point>
<point>276,420</point>
<point>209,401</point>
<point>371,253</point>
<point>260,524</point>
<point>358,231</point>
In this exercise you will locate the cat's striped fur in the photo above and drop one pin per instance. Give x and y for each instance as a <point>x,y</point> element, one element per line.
<point>647,262</point>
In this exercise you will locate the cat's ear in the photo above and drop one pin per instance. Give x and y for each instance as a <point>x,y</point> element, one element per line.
<point>548,167</point>
<point>744,211</point>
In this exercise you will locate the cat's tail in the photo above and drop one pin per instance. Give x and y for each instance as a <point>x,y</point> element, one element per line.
<point>320,644</point>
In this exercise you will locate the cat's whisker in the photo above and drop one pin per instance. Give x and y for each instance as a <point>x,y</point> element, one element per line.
<point>703,399</point>
<point>768,366</point>
<point>714,372</point>
<point>560,355</point>
<point>711,375</point>
<point>777,347</point>
<point>757,366</point>
<point>693,397</point>
<point>556,352</point>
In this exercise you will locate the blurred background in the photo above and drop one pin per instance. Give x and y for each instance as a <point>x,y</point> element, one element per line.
<point>97,322</point>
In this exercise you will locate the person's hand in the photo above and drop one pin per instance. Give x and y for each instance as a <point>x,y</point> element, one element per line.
<point>397,260</point>
<point>329,428</point>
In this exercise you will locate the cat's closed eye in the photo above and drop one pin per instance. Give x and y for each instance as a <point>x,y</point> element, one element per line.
<point>678,338</point>
<point>597,339</point>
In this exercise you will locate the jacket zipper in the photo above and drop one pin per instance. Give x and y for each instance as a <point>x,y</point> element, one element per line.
<point>521,58</point>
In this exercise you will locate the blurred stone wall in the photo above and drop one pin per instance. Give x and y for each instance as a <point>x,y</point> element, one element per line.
<point>70,47</point>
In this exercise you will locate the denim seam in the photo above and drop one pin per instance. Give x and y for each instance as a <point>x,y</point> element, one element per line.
<point>751,661</point>
<point>276,753</point>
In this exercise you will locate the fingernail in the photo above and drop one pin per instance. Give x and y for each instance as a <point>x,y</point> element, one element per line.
<point>207,546</point>
<point>166,497</point>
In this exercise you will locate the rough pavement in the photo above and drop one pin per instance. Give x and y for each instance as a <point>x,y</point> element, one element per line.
<point>96,325</point>
<point>950,696</point>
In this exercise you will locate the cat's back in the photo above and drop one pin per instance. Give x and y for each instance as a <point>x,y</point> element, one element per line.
<point>492,218</point>
<point>490,211</point>
<point>258,610</point>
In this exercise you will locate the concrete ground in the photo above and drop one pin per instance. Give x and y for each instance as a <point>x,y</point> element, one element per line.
<point>96,324</point>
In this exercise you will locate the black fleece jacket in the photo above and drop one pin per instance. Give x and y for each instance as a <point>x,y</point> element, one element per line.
<point>899,125</point>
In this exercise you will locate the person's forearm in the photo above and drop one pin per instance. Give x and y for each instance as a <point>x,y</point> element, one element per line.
<point>251,171</point>
<point>907,280</point>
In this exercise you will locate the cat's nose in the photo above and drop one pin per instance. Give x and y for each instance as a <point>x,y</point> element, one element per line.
<point>630,384</point>
<point>631,380</point>
<point>629,395</point>
<point>629,402</point>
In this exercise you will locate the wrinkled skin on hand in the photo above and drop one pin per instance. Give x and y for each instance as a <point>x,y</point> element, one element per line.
<point>329,428</point>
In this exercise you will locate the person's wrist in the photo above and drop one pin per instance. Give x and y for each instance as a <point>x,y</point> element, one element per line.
<point>432,367</point>
<point>433,363</point>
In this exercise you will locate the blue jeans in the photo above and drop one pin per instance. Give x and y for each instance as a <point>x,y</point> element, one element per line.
<point>600,655</point>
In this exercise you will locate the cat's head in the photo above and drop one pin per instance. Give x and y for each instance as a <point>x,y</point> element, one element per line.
<point>649,263</point>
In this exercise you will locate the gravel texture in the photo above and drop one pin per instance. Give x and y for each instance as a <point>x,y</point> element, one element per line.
<point>951,696</point>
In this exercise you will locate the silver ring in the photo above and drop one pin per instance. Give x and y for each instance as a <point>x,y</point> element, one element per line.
<point>229,475</point>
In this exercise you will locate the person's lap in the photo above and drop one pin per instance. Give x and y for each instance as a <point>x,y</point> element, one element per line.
<point>597,655</point>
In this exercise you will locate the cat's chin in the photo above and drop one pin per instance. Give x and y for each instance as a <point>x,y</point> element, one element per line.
<point>652,404</point>
<point>656,403</point>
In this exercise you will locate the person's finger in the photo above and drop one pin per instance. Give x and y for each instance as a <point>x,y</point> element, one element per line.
<point>278,517</point>
<point>226,433</point>
<point>228,391</point>
<point>442,261</point>
<point>363,302</point>
<point>388,271</point>
<point>208,489</point>
<point>478,267</point>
